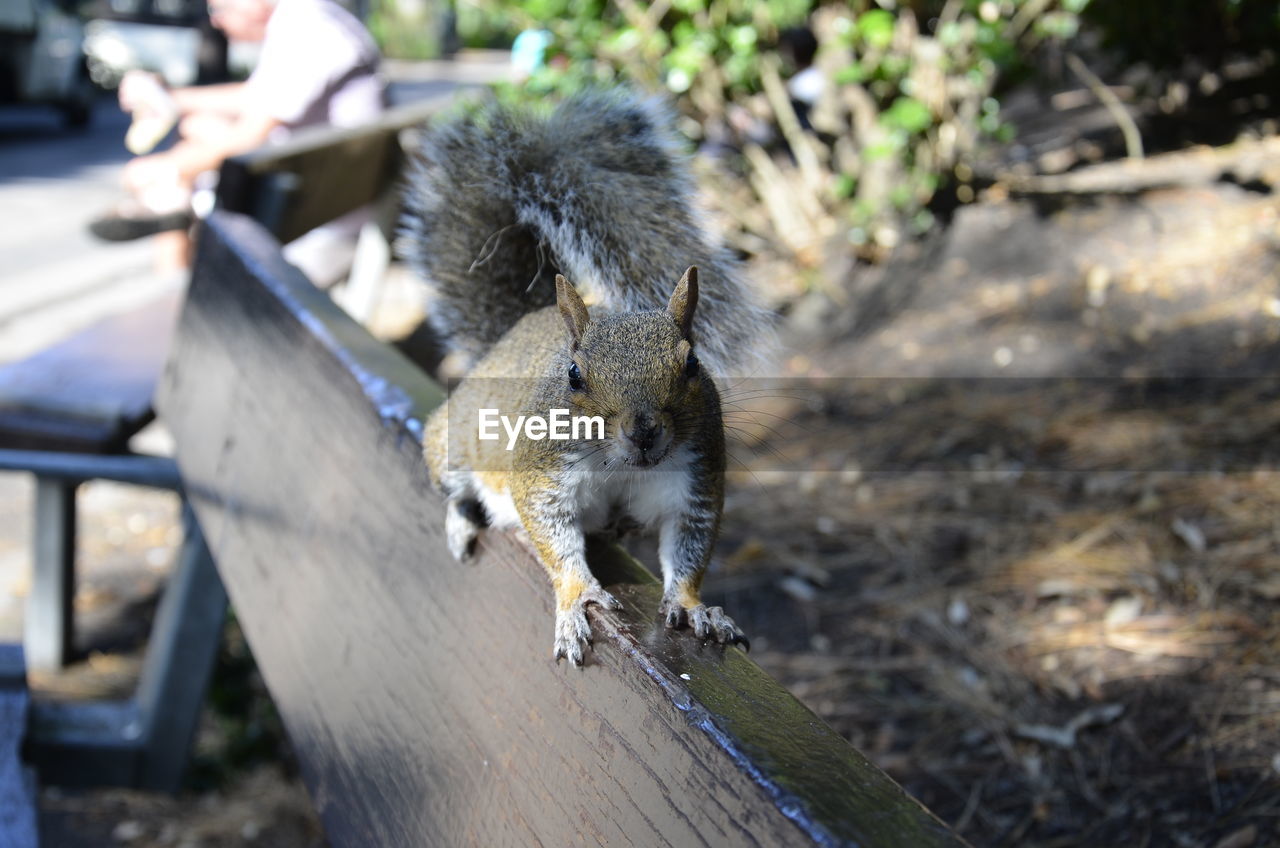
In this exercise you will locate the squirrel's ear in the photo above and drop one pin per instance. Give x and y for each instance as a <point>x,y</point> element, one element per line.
<point>684,300</point>
<point>572,309</point>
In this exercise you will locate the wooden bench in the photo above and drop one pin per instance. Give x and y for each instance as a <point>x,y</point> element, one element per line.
<point>418,692</point>
<point>67,415</point>
<point>87,395</point>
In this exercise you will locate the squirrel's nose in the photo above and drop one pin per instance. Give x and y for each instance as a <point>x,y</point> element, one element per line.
<point>644,432</point>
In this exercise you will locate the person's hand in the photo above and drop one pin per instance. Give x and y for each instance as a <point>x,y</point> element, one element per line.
<point>154,112</point>
<point>144,94</point>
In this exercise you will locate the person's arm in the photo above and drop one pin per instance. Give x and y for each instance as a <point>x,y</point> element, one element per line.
<point>250,130</point>
<point>226,98</point>
<point>143,93</point>
<point>188,158</point>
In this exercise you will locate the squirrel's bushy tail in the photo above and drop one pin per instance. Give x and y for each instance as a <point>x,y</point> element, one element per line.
<point>503,199</point>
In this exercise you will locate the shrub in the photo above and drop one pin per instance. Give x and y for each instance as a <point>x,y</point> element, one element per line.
<point>907,92</point>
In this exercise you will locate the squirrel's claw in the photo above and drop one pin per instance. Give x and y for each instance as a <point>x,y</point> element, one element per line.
<point>597,595</point>
<point>672,613</point>
<point>712,623</point>
<point>573,631</point>
<point>706,623</point>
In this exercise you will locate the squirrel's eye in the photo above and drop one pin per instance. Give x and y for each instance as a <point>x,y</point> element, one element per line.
<point>691,365</point>
<point>575,378</point>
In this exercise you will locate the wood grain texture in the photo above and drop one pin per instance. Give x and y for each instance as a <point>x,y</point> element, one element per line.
<point>419,693</point>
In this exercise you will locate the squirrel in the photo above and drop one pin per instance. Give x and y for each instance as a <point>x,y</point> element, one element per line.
<point>504,206</point>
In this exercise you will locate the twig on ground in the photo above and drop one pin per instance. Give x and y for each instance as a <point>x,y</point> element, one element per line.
<point>1132,138</point>
<point>1246,161</point>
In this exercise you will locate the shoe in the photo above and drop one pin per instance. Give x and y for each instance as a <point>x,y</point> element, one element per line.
<point>131,220</point>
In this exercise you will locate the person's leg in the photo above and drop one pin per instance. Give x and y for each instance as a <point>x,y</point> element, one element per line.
<point>159,200</point>
<point>159,205</point>
<point>173,251</point>
<point>157,184</point>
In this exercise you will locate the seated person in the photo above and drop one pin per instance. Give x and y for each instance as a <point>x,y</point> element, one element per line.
<point>318,66</point>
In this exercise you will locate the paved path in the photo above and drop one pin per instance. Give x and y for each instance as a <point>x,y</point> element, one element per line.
<point>54,276</point>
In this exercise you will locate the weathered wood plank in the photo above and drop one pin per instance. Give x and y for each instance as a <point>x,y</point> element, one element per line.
<point>420,694</point>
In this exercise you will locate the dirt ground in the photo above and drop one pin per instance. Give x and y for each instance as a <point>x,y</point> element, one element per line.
<point>1032,521</point>
<point>1010,524</point>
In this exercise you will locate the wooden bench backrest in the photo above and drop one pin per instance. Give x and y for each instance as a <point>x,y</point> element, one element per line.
<point>292,188</point>
<point>419,693</point>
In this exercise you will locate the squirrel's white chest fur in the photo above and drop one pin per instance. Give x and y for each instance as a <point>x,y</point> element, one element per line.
<point>601,495</point>
<point>644,494</point>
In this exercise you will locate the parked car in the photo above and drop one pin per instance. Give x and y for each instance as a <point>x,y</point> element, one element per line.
<point>115,47</point>
<point>42,58</point>
<point>172,38</point>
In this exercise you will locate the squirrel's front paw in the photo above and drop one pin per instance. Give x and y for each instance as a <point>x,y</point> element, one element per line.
<point>706,622</point>
<point>573,632</point>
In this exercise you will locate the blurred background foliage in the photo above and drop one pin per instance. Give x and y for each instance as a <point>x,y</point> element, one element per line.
<point>844,119</point>
<point>851,123</point>
<point>413,29</point>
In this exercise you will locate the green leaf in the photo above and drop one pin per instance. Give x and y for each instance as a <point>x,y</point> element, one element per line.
<point>689,58</point>
<point>909,114</point>
<point>1063,25</point>
<point>949,34</point>
<point>743,39</point>
<point>741,71</point>
<point>546,10</point>
<point>624,40</point>
<point>895,65</point>
<point>850,73</point>
<point>884,148</point>
<point>684,32</point>
<point>875,27</point>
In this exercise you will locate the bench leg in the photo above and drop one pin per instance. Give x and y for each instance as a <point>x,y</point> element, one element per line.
<point>49,623</point>
<point>179,662</point>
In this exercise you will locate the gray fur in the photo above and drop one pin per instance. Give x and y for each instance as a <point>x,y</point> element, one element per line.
<point>502,200</point>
